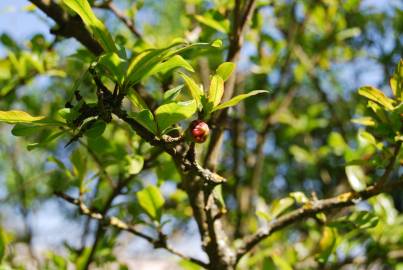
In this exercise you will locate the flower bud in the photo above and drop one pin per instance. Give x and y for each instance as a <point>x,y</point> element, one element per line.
<point>199,131</point>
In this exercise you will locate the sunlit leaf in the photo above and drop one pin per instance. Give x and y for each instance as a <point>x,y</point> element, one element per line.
<point>299,197</point>
<point>135,164</point>
<point>146,119</point>
<point>151,200</point>
<point>136,100</point>
<point>348,33</point>
<point>101,33</point>
<point>225,70</point>
<point>396,82</point>
<point>216,90</point>
<point>356,177</point>
<point>365,121</point>
<point>280,206</point>
<point>234,101</point>
<point>281,263</point>
<point>147,62</point>
<point>217,43</point>
<point>68,114</point>
<point>377,96</point>
<point>171,94</point>
<point>175,62</point>
<point>194,89</point>
<point>207,19</point>
<point>327,244</point>
<point>14,117</point>
<point>115,65</point>
<point>142,65</point>
<point>171,113</point>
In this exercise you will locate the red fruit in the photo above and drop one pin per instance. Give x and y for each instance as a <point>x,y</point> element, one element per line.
<point>199,131</point>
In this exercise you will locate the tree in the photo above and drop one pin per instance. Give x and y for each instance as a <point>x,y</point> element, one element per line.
<point>278,178</point>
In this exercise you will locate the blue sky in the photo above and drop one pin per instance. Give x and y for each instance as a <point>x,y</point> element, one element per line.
<point>18,23</point>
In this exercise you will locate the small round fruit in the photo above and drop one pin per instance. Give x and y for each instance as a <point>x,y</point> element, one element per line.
<point>199,131</point>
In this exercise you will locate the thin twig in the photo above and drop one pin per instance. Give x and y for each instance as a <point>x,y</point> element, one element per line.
<point>123,226</point>
<point>313,207</point>
<point>121,16</point>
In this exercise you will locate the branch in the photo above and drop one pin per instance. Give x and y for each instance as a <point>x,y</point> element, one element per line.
<point>241,18</point>
<point>69,26</point>
<point>121,16</point>
<point>123,226</point>
<point>310,209</point>
<point>167,143</point>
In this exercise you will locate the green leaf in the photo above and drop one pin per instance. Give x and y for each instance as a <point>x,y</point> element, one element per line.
<point>234,101</point>
<point>337,143</point>
<point>115,65</point>
<point>24,130</point>
<point>365,121</point>
<point>96,129</point>
<point>225,70</point>
<point>207,19</point>
<point>188,265</point>
<point>13,117</point>
<point>377,96</point>
<point>79,162</point>
<point>216,43</point>
<point>2,245</point>
<point>218,196</point>
<point>365,138</point>
<point>151,200</point>
<point>379,110</point>
<point>45,141</point>
<point>136,100</point>
<point>356,177</point>
<point>142,64</point>
<point>348,33</point>
<point>280,206</point>
<point>194,89</point>
<point>58,261</point>
<point>146,119</point>
<point>358,220</point>
<point>216,90</point>
<point>327,244</point>
<point>396,82</point>
<point>101,34</point>
<point>81,261</point>
<point>171,113</point>
<point>281,263</point>
<point>175,62</point>
<point>299,197</point>
<point>172,94</point>
<point>135,164</point>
